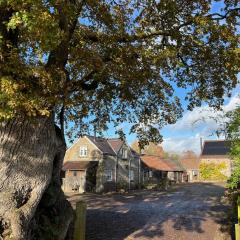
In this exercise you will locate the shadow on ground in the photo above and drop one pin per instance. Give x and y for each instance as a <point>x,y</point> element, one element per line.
<point>190,209</point>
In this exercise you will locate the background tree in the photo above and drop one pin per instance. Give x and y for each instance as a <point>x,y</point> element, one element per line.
<point>189,154</point>
<point>88,61</point>
<point>150,149</point>
<point>233,134</point>
<point>190,160</point>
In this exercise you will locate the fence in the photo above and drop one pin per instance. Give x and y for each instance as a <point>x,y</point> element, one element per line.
<point>237,226</point>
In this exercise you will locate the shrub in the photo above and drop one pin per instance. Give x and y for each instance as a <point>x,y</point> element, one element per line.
<point>212,171</point>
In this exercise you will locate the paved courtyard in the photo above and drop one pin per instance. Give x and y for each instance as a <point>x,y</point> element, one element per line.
<point>188,212</point>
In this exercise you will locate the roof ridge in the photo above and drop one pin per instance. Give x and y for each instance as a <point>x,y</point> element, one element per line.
<point>100,145</point>
<point>152,155</point>
<point>114,139</point>
<point>217,140</point>
<point>111,146</point>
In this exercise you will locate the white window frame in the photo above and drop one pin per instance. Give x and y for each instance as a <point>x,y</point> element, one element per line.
<point>83,151</point>
<point>131,175</point>
<point>150,173</point>
<point>108,175</point>
<point>194,172</point>
<point>124,153</point>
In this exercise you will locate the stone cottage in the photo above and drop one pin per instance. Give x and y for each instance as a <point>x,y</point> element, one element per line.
<point>191,164</point>
<point>100,165</point>
<point>217,153</point>
<point>155,169</point>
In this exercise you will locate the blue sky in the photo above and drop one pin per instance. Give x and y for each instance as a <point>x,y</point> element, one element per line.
<point>185,134</point>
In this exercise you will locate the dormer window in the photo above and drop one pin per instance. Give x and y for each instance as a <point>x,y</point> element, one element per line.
<point>124,154</point>
<point>83,151</point>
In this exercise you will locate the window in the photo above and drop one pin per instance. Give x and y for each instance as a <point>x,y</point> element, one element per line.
<point>124,153</point>
<point>108,175</point>
<point>131,175</point>
<point>74,173</point>
<point>194,172</point>
<point>150,173</point>
<point>83,152</point>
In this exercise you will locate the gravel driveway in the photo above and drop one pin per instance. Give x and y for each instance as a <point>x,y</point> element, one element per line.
<point>188,212</point>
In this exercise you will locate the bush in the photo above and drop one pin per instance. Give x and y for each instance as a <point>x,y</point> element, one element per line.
<point>162,185</point>
<point>122,185</point>
<point>212,171</point>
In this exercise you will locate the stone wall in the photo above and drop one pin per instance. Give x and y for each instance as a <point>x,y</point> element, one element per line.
<point>72,154</point>
<point>219,160</point>
<point>126,165</point>
<point>70,173</point>
<point>107,163</point>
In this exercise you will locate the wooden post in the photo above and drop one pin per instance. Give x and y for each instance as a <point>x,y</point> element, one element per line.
<point>80,222</point>
<point>237,226</point>
<point>238,205</point>
<point>237,229</point>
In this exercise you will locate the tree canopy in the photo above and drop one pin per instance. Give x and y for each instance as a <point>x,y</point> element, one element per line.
<point>233,134</point>
<point>98,60</point>
<point>150,149</point>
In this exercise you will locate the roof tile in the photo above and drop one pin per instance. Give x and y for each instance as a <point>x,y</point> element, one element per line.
<point>102,144</point>
<point>216,147</point>
<point>115,143</point>
<point>158,163</point>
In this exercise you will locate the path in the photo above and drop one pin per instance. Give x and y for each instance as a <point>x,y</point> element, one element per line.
<point>189,212</point>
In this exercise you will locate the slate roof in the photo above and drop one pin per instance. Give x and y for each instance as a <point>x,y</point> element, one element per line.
<point>102,144</point>
<point>79,165</point>
<point>216,147</point>
<point>115,143</point>
<point>161,164</point>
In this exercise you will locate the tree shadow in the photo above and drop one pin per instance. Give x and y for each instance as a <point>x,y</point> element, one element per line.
<point>190,208</point>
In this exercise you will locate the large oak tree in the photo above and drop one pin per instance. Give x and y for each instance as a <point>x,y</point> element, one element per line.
<point>86,61</point>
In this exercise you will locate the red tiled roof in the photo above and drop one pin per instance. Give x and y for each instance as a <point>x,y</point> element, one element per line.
<point>115,143</point>
<point>161,164</point>
<point>190,163</point>
<point>80,165</point>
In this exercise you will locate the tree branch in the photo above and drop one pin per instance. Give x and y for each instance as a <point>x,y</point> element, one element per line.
<point>75,84</point>
<point>61,120</point>
<point>59,56</point>
<point>96,36</point>
<point>218,16</point>
<point>9,36</point>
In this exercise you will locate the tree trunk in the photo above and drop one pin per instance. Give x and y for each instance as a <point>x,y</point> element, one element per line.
<point>32,204</point>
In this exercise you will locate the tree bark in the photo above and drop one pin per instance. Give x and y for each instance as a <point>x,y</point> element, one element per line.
<point>32,204</point>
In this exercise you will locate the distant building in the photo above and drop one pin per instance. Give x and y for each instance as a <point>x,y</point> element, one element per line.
<point>100,165</point>
<point>155,169</point>
<point>217,152</point>
<point>191,164</point>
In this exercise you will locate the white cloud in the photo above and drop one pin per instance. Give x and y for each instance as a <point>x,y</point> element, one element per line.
<point>179,145</point>
<point>201,122</point>
<point>203,117</point>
